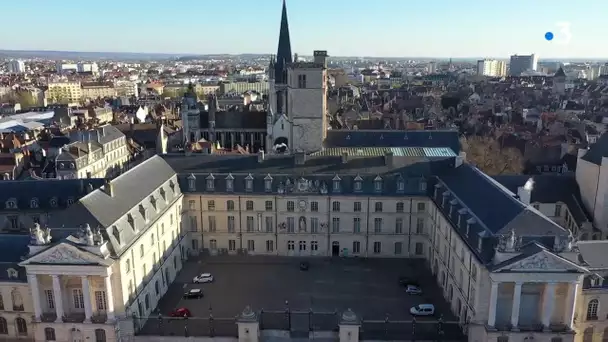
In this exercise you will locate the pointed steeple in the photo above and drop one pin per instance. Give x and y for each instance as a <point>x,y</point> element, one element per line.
<point>284,56</point>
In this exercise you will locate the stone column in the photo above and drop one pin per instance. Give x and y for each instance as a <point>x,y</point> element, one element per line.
<point>548,304</point>
<point>515,307</point>
<point>493,302</point>
<point>86,293</point>
<point>109,298</point>
<point>571,304</point>
<point>32,280</point>
<point>248,326</point>
<point>58,298</point>
<point>349,327</point>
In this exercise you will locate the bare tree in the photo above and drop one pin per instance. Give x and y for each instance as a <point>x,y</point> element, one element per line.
<point>490,157</point>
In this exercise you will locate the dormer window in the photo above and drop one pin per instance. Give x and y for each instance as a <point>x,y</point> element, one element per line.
<point>229,182</point>
<point>400,185</point>
<point>153,202</point>
<point>131,221</point>
<point>53,202</point>
<point>11,203</point>
<point>70,201</point>
<point>116,234</point>
<point>378,184</point>
<point>453,204</point>
<point>143,212</point>
<point>422,185</point>
<point>336,183</point>
<point>191,182</point>
<point>268,183</point>
<point>12,273</point>
<point>480,243</point>
<point>444,201</point>
<point>462,212</point>
<point>210,182</point>
<point>358,183</point>
<point>163,194</point>
<point>470,223</point>
<point>34,203</point>
<point>172,186</point>
<point>437,188</point>
<point>249,183</point>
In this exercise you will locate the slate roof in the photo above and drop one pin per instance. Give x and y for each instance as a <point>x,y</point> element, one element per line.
<point>103,134</point>
<point>235,120</point>
<point>12,249</point>
<point>134,187</point>
<point>481,210</point>
<point>45,195</point>
<point>594,253</point>
<point>597,151</point>
<point>550,189</point>
<point>357,138</point>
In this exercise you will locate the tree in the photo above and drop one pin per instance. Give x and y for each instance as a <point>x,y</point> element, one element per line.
<point>490,157</point>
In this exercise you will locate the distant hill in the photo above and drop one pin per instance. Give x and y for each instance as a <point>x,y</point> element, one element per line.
<point>77,55</point>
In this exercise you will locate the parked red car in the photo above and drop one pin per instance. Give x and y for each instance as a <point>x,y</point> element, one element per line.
<point>181,312</point>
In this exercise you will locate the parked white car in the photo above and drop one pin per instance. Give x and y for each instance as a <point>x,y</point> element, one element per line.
<point>203,278</point>
<point>413,289</point>
<point>423,310</point>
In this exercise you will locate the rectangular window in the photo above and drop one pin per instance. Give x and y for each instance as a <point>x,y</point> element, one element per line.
<point>291,245</point>
<point>231,226</point>
<point>212,224</point>
<point>213,244</point>
<point>268,205</point>
<point>269,227</point>
<point>193,225</point>
<point>191,204</point>
<point>398,248</point>
<point>302,245</point>
<point>291,206</point>
<point>211,205</point>
<point>100,300</point>
<point>356,247</point>
<point>250,225</point>
<point>399,226</point>
<point>78,299</point>
<point>420,225</point>
<point>378,207</point>
<point>232,245</point>
<point>314,225</point>
<point>314,246</point>
<point>357,225</point>
<point>421,206</point>
<point>314,206</point>
<point>357,207</point>
<point>377,247</point>
<point>249,205</point>
<point>50,300</point>
<point>250,245</point>
<point>291,224</point>
<point>269,246</point>
<point>377,225</point>
<point>400,207</point>
<point>335,225</point>
<point>335,206</point>
<point>301,81</point>
<point>419,248</point>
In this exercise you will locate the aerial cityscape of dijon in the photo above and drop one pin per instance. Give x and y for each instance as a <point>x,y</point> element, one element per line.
<point>292,170</point>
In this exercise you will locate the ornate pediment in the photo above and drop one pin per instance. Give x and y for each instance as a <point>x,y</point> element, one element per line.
<point>542,261</point>
<point>65,254</point>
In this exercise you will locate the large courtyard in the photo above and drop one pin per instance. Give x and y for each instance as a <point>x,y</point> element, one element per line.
<point>370,287</point>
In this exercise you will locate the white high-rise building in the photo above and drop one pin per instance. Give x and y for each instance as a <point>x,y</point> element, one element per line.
<point>16,67</point>
<point>491,67</point>
<point>521,63</point>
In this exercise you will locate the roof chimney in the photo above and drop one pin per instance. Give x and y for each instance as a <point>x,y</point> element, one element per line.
<point>525,192</point>
<point>260,156</point>
<point>344,157</point>
<point>388,159</point>
<point>109,187</point>
<point>299,157</point>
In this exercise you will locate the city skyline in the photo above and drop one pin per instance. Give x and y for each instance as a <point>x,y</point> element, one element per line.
<point>388,29</point>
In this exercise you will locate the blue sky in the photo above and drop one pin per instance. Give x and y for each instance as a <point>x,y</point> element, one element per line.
<point>391,28</point>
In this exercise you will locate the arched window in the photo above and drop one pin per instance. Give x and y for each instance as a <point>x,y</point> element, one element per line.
<point>100,335</point>
<point>21,326</point>
<point>588,335</point>
<point>17,300</point>
<point>3,326</point>
<point>49,334</point>
<point>592,309</point>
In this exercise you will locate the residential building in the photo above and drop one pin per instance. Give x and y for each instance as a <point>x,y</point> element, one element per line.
<point>522,63</point>
<point>97,153</point>
<point>64,92</point>
<point>126,88</point>
<point>16,66</point>
<point>95,90</point>
<point>491,67</point>
<point>241,87</point>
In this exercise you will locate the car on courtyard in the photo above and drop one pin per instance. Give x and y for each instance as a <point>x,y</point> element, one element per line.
<point>423,310</point>
<point>405,281</point>
<point>203,278</point>
<point>413,289</point>
<point>193,294</point>
<point>304,266</point>
<point>180,312</point>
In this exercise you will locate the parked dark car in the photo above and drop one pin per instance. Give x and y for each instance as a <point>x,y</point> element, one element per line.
<point>193,293</point>
<point>304,266</point>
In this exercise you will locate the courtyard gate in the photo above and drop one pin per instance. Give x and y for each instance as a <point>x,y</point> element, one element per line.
<point>300,323</point>
<point>414,330</point>
<point>209,326</point>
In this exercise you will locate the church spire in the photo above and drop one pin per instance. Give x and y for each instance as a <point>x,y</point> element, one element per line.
<point>284,49</point>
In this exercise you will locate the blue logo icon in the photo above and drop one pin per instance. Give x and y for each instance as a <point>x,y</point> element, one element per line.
<point>549,36</point>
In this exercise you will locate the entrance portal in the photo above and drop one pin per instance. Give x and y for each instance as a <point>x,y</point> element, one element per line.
<point>335,248</point>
